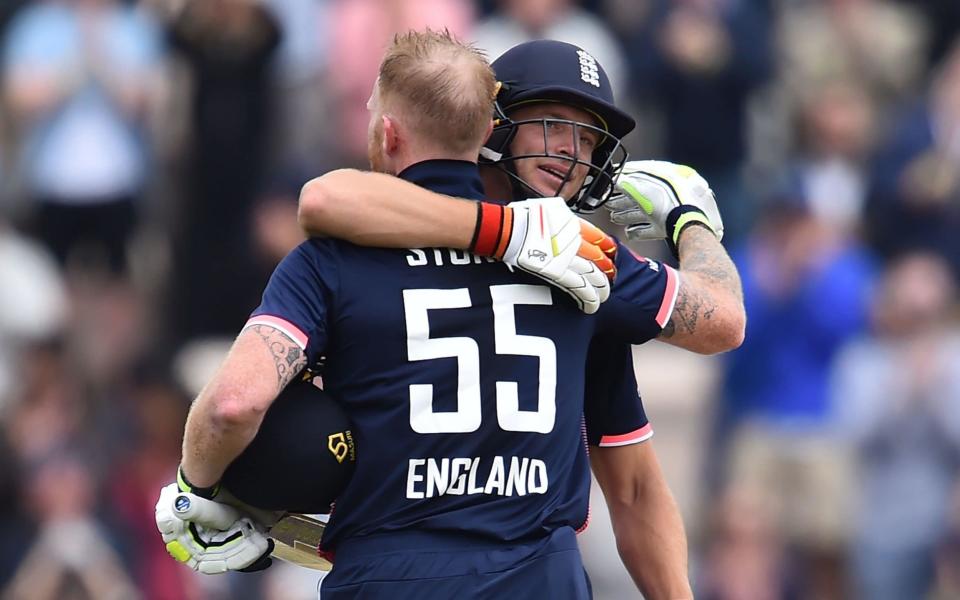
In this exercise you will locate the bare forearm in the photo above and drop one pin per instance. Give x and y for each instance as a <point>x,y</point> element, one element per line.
<point>373,209</point>
<point>652,544</point>
<point>211,442</point>
<point>646,521</point>
<point>226,416</point>
<point>708,316</point>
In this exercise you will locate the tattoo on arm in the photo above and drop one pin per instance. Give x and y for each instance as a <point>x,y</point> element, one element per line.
<point>287,356</point>
<point>701,254</point>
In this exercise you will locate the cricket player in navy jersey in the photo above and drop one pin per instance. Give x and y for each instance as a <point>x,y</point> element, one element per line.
<point>451,491</point>
<point>550,85</point>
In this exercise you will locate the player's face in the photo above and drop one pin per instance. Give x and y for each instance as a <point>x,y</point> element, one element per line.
<point>546,174</point>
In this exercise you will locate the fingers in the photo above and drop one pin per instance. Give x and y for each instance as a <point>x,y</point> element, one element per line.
<point>631,216</point>
<point>620,202</point>
<point>599,281</point>
<point>599,248</point>
<point>261,563</point>
<point>241,548</point>
<point>644,232</point>
<point>593,287</point>
<point>600,260</point>
<point>167,523</point>
<point>592,234</point>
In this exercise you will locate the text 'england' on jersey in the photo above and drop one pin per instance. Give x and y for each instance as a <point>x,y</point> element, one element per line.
<point>464,382</point>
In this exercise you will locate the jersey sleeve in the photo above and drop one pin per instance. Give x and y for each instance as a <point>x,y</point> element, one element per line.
<point>298,298</point>
<point>642,299</point>
<point>613,411</point>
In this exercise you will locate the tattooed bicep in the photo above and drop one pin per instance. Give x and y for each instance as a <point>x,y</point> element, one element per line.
<point>287,356</point>
<point>693,310</point>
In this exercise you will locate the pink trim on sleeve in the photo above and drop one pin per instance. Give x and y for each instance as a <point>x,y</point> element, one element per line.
<point>283,326</point>
<point>634,437</point>
<point>669,296</point>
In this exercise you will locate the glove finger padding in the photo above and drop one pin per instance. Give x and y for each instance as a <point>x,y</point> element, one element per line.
<point>588,293</point>
<point>167,524</point>
<point>632,216</point>
<point>263,562</point>
<point>241,545</point>
<point>598,247</point>
<point>595,279</point>
<point>653,193</point>
<point>593,254</point>
<point>644,232</point>
<point>621,202</point>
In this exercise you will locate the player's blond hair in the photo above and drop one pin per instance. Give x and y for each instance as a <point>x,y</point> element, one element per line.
<point>443,89</point>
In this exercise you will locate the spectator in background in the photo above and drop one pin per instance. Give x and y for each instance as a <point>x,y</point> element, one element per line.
<point>806,284</point>
<point>835,137</point>
<point>146,423</point>
<point>915,191</point>
<point>303,136</point>
<point>879,42</point>
<point>78,77</point>
<point>228,46</point>
<point>70,555</point>
<point>519,21</point>
<point>33,304</point>
<point>698,63</point>
<point>948,554</point>
<point>363,30</point>
<point>898,394</point>
<point>746,557</point>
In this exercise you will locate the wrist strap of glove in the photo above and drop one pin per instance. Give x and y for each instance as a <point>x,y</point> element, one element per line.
<point>185,486</point>
<point>679,219</point>
<point>493,230</point>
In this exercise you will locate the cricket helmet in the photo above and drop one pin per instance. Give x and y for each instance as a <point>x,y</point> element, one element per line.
<point>301,458</point>
<point>554,71</point>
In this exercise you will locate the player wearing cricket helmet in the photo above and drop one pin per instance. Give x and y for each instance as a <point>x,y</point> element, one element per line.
<point>538,73</point>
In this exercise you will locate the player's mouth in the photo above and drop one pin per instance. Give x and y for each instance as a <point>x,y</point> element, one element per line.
<point>556,174</point>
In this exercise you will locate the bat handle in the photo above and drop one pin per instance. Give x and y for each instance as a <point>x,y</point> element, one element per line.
<point>201,511</point>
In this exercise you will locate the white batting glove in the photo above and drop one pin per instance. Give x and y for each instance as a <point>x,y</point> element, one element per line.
<point>544,237</point>
<point>657,199</point>
<point>208,536</point>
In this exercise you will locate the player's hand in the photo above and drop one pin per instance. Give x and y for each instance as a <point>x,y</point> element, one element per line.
<point>657,199</point>
<point>208,536</point>
<point>544,237</point>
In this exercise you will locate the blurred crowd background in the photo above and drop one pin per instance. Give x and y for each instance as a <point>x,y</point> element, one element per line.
<point>151,153</point>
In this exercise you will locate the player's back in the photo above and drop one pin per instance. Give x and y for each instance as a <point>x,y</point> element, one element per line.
<point>464,383</point>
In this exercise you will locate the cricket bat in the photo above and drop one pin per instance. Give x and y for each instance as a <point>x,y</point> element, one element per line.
<point>297,540</point>
<point>296,537</point>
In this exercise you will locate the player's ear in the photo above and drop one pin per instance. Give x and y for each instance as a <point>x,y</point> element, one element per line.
<point>486,136</point>
<point>391,137</point>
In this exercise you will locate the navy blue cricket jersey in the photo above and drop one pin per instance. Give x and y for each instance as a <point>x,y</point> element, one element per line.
<point>613,411</point>
<point>464,379</point>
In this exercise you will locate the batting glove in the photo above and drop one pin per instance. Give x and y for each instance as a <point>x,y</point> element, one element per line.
<point>210,537</point>
<point>657,200</point>
<point>544,237</point>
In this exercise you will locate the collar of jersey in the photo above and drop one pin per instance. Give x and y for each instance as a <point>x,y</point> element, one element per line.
<point>459,178</point>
